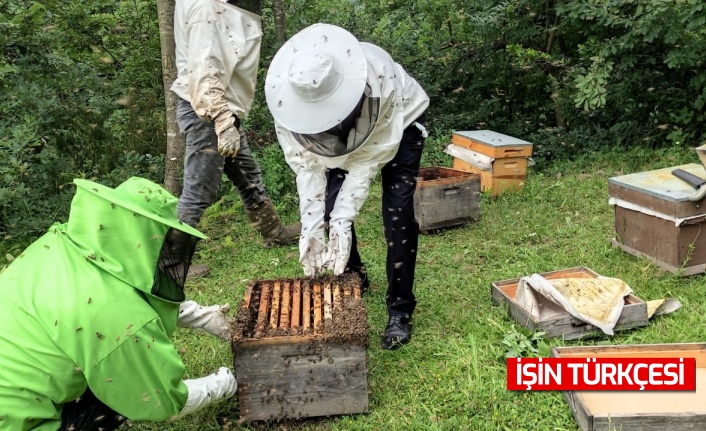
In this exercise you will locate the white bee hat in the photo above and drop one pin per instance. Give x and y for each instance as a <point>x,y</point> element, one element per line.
<point>316,79</point>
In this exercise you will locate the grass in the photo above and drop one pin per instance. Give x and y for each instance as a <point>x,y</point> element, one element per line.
<point>452,375</point>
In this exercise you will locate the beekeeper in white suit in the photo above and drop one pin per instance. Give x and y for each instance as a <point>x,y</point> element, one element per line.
<point>344,111</point>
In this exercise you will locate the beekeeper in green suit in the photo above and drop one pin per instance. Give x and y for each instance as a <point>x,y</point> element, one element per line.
<point>87,310</point>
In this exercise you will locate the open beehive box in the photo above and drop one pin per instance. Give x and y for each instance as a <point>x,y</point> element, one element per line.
<point>299,348</point>
<point>557,322</point>
<point>446,197</point>
<point>640,410</point>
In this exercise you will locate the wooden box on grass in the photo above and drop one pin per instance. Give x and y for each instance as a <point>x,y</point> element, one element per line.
<point>492,144</point>
<point>511,156</point>
<point>640,410</point>
<point>446,197</point>
<point>655,219</point>
<point>557,322</point>
<point>299,349</point>
<point>505,174</point>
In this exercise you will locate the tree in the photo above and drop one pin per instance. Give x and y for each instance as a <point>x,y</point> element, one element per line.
<point>280,23</point>
<point>174,157</point>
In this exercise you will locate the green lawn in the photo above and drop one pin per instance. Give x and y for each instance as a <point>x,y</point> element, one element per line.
<point>452,375</point>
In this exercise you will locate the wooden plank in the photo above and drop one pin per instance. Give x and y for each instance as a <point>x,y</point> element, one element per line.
<point>306,307</point>
<point>356,292</point>
<point>607,411</point>
<point>317,308</point>
<point>676,350</point>
<point>328,302</point>
<point>683,271</point>
<point>274,312</point>
<point>495,184</point>
<point>248,295</point>
<point>296,305</point>
<point>286,306</point>
<point>675,209</point>
<point>490,150</point>
<point>347,291</point>
<point>337,297</point>
<point>300,380</point>
<point>262,311</point>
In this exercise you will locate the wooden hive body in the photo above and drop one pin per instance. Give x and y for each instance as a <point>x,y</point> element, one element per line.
<point>561,324</point>
<point>639,410</point>
<point>445,198</point>
<point>511,156</point>
<point>299,349</point>
<point>655,219</point>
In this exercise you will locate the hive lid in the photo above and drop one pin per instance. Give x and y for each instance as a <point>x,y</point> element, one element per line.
<point>661,183</point>
<point>493,139</point>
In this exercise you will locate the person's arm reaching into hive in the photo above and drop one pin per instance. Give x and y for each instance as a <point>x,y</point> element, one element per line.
<point>211,319</point>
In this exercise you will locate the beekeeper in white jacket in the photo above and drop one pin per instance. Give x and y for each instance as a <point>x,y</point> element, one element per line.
<point>344,111</point>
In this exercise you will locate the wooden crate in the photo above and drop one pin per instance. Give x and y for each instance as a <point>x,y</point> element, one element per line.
<point>445,198</point>
<point>640,410</point>
<point>492,144</point>
<point>505,175</point>
<point>655,219</point>
<point>557,322</point>
<point>299,349</point>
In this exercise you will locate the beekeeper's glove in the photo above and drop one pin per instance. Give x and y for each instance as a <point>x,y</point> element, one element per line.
<point>311,253</point>
<point>338,249</point>
<point>208,390</point>
<point>228,135</point>
<point>211,319</point>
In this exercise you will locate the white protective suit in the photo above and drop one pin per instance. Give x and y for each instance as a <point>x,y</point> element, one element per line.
<point>217,56</point>
<point>402,101</point>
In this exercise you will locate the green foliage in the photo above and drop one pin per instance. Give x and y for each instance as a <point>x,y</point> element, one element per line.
<point>519,345</point>
<point>82,98</point>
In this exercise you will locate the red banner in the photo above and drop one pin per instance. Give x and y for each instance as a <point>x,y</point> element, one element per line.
<point>601,374</point>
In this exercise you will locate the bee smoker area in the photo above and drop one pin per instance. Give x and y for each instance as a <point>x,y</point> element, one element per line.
<point>299,348</point>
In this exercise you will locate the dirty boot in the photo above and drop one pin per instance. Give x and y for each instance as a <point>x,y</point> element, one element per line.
<point>265,220</point>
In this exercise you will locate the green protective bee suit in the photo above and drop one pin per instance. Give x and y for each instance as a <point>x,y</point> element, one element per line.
<point>76,311</point>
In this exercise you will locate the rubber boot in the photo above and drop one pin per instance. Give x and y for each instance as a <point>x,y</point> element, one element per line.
<point>264,219</point>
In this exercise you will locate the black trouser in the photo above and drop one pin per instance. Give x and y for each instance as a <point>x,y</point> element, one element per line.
<point>401,227</point>
<point>88,413</point>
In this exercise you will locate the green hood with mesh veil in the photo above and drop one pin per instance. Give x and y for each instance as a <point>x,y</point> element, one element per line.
<point>122,230</point>
<point>77,311</point>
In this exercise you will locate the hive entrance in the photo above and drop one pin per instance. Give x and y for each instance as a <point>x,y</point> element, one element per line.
<point>329,307</point>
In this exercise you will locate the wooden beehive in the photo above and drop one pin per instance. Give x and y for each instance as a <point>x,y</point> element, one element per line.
<point>511,156</point>
<point>445,198</point>
<point>655,219</point>
<point>639,410</point>
<point>557,322</point>
<point>299,349</point>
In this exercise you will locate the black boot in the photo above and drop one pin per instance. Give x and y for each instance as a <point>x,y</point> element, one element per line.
<point>397,333</point>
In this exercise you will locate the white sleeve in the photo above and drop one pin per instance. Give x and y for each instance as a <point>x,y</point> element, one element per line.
<point>207,71</point>
<point>311,183</point>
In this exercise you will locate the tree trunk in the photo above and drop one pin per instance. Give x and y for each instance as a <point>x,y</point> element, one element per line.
<point>174,156</point>
<point>280,26</point>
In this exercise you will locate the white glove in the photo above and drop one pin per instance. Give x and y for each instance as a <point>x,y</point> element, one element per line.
<point>311,254</point>
<point>228,134</point>
<point>208,390</point>
<point>338,250</point>
<point>211,319</point>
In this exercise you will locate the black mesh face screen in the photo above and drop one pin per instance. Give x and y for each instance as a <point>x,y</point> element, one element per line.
<point>338,141</point>
<point>173,265</point>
